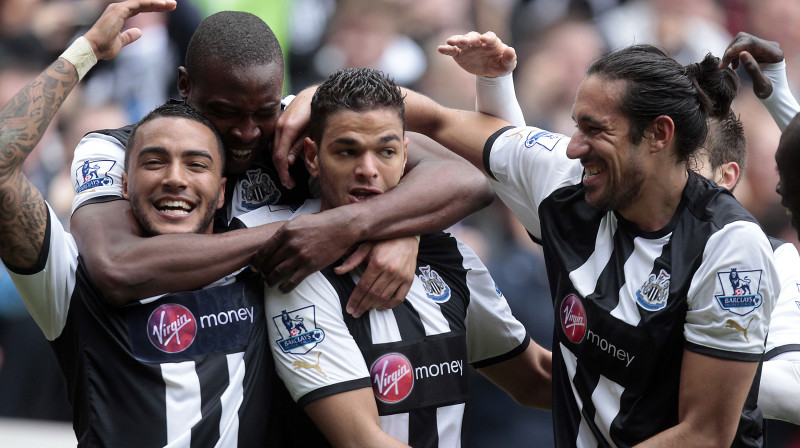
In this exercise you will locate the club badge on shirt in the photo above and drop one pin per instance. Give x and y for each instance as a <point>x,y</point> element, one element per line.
<point>435,287</point>
<point>654,293</point>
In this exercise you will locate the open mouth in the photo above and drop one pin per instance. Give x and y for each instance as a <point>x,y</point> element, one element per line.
<point>361,194</point>
<point>591,172</point>
<point>176,208</point>
<point>241,154</point>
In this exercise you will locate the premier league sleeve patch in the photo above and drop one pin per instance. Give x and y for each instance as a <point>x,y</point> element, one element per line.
<point>298,331</point>
<point>739,291</point>
<point>92,174</point>
<point>545,139</point>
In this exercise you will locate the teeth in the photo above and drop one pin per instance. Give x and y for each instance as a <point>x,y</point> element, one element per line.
<point>174,207</point>
<point>589,172</point>
<point>241,153</point>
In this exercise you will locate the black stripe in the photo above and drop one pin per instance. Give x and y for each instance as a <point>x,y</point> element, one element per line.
<point>422,428</point>
<point>505,357</point>
<point>212,372</point>
<point>780,350</point>
<point>334,389</point>
<point>487,150</point>
<point>723,354</point>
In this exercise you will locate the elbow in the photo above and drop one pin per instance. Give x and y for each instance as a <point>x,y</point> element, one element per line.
<point>117,286</point>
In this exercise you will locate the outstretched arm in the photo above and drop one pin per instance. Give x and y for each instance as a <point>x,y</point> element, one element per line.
<point>23,213</point>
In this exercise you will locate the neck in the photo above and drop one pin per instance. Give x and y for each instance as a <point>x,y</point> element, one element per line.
<point>658,200</point>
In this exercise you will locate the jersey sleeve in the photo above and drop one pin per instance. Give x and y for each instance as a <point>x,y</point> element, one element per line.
<point>96,170</point>
<point>315,354</point>
<point>46,288</point>
<point>781,104</point>
<point>784,327</point>
<point>493,333</point>
<point>732,294</point>
<point>526,165</point>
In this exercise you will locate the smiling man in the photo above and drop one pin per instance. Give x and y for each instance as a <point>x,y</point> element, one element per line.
<point>180,370</point>
<point>396,376</point>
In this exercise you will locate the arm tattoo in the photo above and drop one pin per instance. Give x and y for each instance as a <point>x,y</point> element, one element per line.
<point>23,213</point>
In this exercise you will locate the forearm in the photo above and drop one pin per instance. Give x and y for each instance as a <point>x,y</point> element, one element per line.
<point>127,267</point>
<point>23,121</point>
<point>781,104</point>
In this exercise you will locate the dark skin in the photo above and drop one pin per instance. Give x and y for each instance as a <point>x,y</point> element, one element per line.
<point>750,50</point>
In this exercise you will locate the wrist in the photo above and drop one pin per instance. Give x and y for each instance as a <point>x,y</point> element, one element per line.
<point>81,55</point>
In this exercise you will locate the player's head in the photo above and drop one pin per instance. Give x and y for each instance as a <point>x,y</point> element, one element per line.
<point>638,109</point>
<point>234,76</point>
<point>357,146</point>
<point>787,158</point>
<point>173,171</point>
<point>723,156</point>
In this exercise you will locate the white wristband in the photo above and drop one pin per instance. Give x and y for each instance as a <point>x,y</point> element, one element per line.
<point>81,56</point>
<point>781,104</point>
<point>496,96</point>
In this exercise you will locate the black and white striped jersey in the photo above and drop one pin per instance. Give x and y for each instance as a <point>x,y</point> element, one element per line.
<point>414,357</point>
<point>183,370</point>
<point>628,302</point>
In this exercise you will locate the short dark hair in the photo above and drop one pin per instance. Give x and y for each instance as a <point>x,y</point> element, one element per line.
<point>656,84</point>
<point>234,38</point>
<point>355,89</point>
<point>726,142</point>
<point>177,110</point>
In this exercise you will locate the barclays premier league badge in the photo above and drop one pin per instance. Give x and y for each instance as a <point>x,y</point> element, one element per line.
<point>739,291</point>
<point>299,334</point>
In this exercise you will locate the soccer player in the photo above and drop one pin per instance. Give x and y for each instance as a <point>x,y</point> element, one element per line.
<point>649,294</point>
<point>186,369</point>
<point>406,364</point>
<point>234,76</point>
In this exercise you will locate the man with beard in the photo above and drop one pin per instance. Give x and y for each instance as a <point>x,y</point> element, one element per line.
<point>639,249</point>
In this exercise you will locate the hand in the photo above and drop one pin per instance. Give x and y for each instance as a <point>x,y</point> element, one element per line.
<point>481,54</point>
<point>391,268</point>
<point>303,246</point>
<point>289,133</point>
<point>106,35</point>
<point>751,51</point>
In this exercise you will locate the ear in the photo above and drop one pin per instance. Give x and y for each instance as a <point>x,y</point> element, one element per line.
<point>660,133</point>
<point>728,175</point>
<point>184,85</point>
<point>221,198</point>
<point>125,193</point>
<point>405,153</point>
<point>312,156</point>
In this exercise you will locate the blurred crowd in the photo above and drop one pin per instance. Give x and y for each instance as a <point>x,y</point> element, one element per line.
<point>555,41</point>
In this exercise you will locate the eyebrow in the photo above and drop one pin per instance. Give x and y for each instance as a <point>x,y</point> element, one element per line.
<point>352,141</point>
<point>163,152</point>
<point>588,119</point>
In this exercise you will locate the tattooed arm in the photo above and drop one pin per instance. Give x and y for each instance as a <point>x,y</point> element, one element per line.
<point>23,212</point>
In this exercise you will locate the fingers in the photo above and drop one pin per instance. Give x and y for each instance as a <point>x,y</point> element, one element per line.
<point>762,86</point>
<point>354,259</point>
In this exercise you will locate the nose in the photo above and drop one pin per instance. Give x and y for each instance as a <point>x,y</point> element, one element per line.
<point>577,146</point>
<point>246,130</point>
<point>175,177</point>
<point>367,167</point>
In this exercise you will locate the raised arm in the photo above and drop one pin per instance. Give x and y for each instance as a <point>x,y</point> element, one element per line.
<point>763,61</point>
<point>23,213</point>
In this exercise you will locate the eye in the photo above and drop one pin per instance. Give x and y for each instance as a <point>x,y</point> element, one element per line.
<point>387,152</point>
<point>346,152</point>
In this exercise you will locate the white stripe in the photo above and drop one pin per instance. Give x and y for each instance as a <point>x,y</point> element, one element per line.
<point>383,326</point>
<point>183,401</point>
<point>606,399</point>
<point>585,277</point>
<point>396,425</point>
<point>448,424</point>
<point>585,436</point>
<point>229,421</point>
<point>637,268</point>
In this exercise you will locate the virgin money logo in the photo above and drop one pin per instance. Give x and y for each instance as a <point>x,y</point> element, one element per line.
<point>573,318</point>
<point>171,328</point>
<point>392,378</point>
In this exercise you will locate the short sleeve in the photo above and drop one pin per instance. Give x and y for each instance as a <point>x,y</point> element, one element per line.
<point>493,333</point>
<point>526,165</point>
<point>96,170</point>
<point>784,327</point>
<point>732,294</point>
<point>314,353</point>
